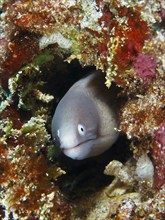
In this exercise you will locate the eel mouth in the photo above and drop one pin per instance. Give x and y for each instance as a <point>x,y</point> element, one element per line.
<point>78,145</point>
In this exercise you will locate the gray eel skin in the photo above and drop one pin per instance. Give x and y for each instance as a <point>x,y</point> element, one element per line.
<point>85,121</point>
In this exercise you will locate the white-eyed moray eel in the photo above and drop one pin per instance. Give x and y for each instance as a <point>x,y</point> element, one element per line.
<point>85,121</point>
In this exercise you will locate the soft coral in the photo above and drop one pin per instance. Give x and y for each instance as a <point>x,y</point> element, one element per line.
<point>145,67</point>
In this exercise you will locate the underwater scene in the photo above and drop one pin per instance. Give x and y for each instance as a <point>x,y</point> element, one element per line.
<point>82,100</point>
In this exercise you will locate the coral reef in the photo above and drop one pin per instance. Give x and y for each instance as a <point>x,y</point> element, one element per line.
<point>124,39</point>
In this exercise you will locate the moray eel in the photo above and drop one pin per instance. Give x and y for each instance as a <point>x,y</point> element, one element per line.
<point>85,120</point>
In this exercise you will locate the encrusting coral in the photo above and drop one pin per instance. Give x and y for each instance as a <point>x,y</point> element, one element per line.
<point>124,39</point>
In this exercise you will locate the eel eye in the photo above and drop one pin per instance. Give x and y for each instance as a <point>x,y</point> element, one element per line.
<point>81,129</point>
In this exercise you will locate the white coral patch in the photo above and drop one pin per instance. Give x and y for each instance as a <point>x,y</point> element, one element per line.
<point>144,168</point>
<point>55,38</point>
<point>91,14</point>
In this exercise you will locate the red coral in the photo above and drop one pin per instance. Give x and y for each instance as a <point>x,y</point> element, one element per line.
<point>15,116</point>
<point>21,50</point>
<point>30,20</point>
<point>131,34</point>
<point>103,48</point>
<point>4,164</point>
<point>145,66</point>
<point>158,155</point>
<point>39,16</point>
<point>160,134</point>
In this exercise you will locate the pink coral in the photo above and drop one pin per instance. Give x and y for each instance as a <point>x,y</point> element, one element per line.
<point>158,155</point>
<point>145,66</point>
<point>160,134</point>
